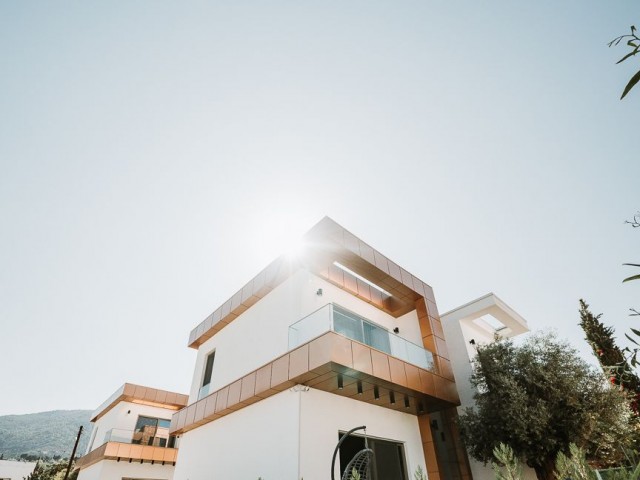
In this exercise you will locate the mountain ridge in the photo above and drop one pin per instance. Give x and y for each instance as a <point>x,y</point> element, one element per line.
<point>43,434</point>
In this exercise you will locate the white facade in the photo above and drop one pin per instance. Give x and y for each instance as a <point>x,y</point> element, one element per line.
<point>12,470</point>
<point>260,334</point>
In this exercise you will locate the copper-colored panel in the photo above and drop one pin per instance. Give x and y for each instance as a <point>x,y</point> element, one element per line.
<point>381,261</point>
<point>320,353</point>
<point>170,454</point>
<point>436,325</point>
<point>362,358</point>
<point>341,351</point>
<point>376,298</point>
<point>407,278</point>
<point>418,286</point>
<point>380,363</point>
<point>421,308</point>
<point>425,327</point>
<point>263,380</point>
<point>398,374</point>
<point>248,387</point>
<point>161,396</point>
<point>364,290</point>
<point>336,275</point>
<point>247,292</point>
<point>413,377</point>
<point>182,417</point>
<point>236,300</point>
<point>394,271</point>
<point>441,345</point>
<point>147,453</point>
<point>136,451</point>
<point>172,398</point>
<point>445,369</point>
<point>210,406</point>
<point>427,384</point>
<point>157,454</point>
<point>433,309</point>
<point>124,450</point>
<point>139,391</point>
<point>234,393</point>
<point>226,309</point>
<point>191,414</point>
<point>366,252</point>
<point>280,371</point>
<point>111,450</point>
<point>320,379</point>
<point>200,408</point>
<point>299,361</point>
<point>429,342</point>
<point>221,402</point>
<point>350,283</point>
<point>182,399</point>
<point>430,457</point>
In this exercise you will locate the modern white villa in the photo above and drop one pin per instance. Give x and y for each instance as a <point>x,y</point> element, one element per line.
<point>334,337</point>
<point>14,470</point>
<point>130,437</point>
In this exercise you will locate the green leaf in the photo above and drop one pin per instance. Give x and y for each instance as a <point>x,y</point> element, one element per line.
<point>627,56</point>
<point>637,332</point>
<point>635,277</point>
<point>631,339</point>
<point>632,264</point>
<point>635,79</point>
<point>632,44</point>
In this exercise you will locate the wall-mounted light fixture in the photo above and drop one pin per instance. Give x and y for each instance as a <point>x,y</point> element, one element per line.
<point>392,398</point>
<point>359,387</point>
<point>376,393</point>
<point>319,292</point>
<point>472,341</point>
<point>406,401</point>
<point>396,330</point>
<point>340,383</point>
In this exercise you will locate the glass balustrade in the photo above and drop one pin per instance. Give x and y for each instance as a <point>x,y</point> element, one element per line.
<point>156,437</point>
<point>334,318</point>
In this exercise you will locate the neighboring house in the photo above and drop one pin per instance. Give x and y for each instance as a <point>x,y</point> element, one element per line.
<point>12,470</point>
<point>317,343</point>
<point>130,437</point>
<point>465,327</point>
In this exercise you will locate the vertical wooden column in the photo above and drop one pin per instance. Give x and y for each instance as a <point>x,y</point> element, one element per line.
<point>433,340</point>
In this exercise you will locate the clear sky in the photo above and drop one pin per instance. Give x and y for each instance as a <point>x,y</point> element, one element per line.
<point>155,155</point>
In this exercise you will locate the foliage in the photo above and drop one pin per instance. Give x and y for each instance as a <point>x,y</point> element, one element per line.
<point>632,41</point>
<point>574,466</point>
<point>355,475</point>
<point>419,474</point>
<point>609,355</point>
<point>508,467</point>
<point>538,398</point>
<point>44,435</point>
<point>51,471</point>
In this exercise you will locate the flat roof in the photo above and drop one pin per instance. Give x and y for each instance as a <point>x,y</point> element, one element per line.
<point>335,254</point>
<point>133,393</point>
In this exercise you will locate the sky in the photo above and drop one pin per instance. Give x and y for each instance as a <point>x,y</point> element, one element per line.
<point>155,155</point>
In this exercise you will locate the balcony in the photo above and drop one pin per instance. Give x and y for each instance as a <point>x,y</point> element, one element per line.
<point>334,318</point>
<point>152,445</point>
<point>335,351</point>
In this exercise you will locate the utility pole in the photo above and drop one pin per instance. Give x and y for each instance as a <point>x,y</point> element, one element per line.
<point>73,454</point>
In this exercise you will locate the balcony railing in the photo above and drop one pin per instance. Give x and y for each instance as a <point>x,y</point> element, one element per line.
<point>337,319</point>
<point>155,437</point>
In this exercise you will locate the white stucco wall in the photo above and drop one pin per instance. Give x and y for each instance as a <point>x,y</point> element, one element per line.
<point>15,470</point>
<point>118,418</point>
<point>260,440</point>
<point>113,470</point>
<point>325,414</point>
<point>260,334</point>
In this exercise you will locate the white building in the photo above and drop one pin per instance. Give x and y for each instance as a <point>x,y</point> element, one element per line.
<point>12,470</point>
<point>130,438</point>
<point>317,343</point>
<point>465,327</point>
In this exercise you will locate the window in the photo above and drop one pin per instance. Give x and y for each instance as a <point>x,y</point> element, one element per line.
<point>208,369</point>
<point>151,431</point>
<point>388,464</point>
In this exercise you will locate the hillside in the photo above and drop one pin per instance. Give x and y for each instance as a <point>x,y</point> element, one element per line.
<point>45,434</point>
